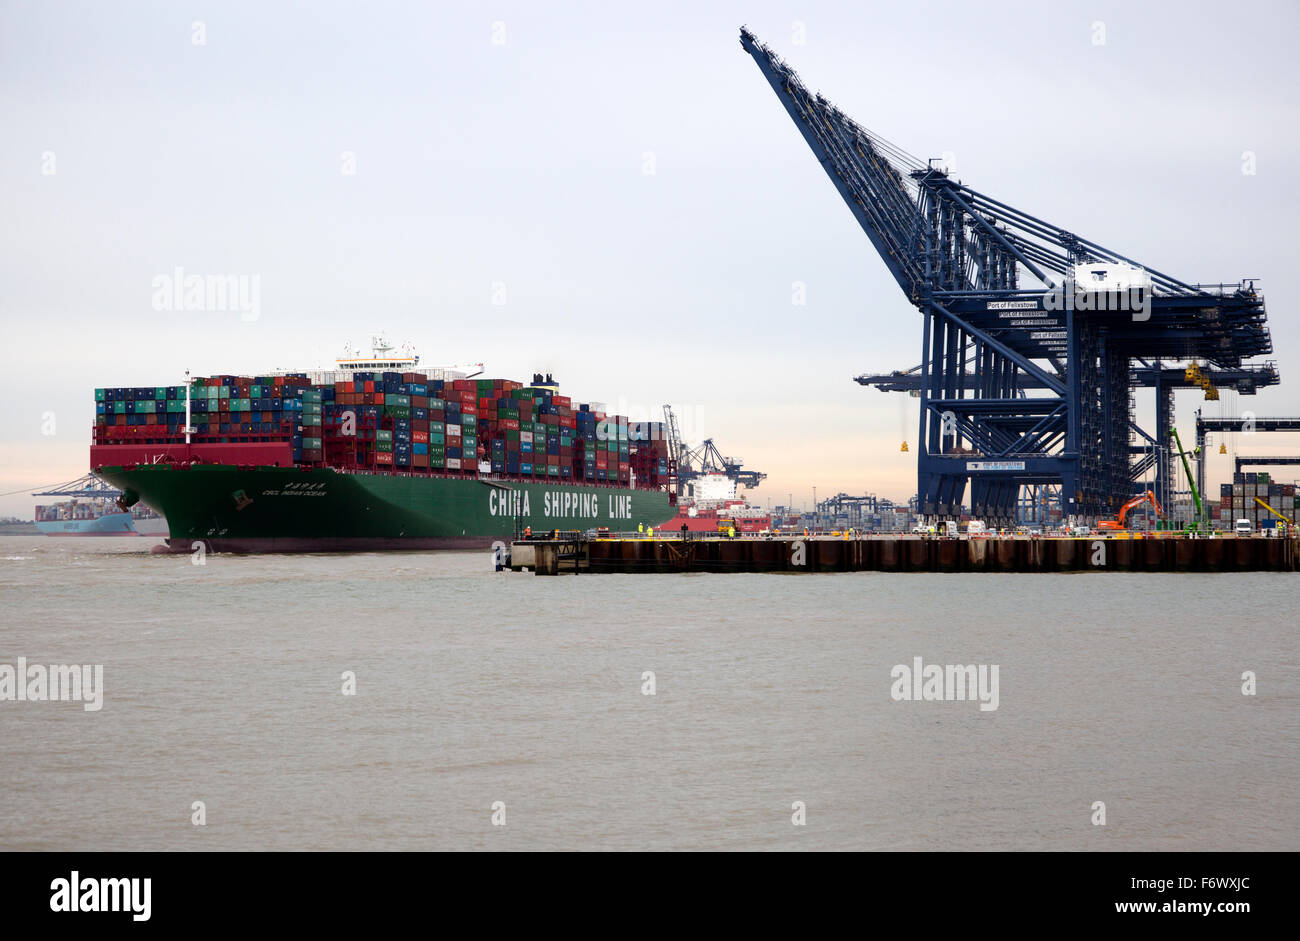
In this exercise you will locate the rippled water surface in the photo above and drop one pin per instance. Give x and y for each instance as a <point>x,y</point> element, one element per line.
<point>223,684</point>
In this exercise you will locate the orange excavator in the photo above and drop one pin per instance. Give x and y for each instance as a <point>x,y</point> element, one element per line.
<point>1121,518</point>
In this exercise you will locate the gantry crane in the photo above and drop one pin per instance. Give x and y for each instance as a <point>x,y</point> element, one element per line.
<point>1029,332</point>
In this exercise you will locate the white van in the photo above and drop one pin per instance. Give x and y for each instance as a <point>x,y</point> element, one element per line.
<point>1244,528</point>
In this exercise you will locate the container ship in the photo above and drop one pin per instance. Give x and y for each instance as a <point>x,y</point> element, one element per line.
<point>365,457</point>
<point>93,511</point>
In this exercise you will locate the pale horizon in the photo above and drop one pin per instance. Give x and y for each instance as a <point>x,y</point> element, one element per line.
<point>619,200</point>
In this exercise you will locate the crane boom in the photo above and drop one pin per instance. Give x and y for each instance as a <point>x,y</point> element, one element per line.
<point>1191,479</point>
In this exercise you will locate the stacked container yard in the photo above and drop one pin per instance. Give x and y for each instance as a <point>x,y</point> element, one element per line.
<point>399,423</point>
<point>1237,500</point>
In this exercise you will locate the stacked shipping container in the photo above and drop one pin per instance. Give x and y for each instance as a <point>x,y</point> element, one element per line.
<point>400,422</point>
<point>1237,500</point>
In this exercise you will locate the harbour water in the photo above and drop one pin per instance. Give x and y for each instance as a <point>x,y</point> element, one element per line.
<point>224,684</point>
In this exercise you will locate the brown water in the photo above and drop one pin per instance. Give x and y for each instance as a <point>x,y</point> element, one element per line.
<point>223,685</point>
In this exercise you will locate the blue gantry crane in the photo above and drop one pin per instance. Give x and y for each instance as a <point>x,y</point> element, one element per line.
<point>1033,337</point>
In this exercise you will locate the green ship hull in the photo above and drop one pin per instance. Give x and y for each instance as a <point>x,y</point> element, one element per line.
<point>285,509</point>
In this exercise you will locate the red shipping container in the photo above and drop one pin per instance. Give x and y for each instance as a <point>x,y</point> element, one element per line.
<point>454,442</point>
<point>437,414</point>
<point>563,400</point>
<point>420,437</point>
<point>379,398</point>
<point>420,460</point>
<point>419,424</point>
<point>383,457</point>
<point>510,424</point>
<point>469,408</point>
<point>368,387</point>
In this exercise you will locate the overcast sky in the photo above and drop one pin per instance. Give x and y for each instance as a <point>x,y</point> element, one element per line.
<point>382,166</point>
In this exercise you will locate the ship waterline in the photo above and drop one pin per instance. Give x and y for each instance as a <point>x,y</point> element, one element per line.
<point>294,509</point>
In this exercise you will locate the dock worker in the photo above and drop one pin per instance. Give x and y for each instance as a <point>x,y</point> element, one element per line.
<point>528,532</point>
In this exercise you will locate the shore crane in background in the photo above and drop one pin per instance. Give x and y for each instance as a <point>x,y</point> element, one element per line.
<point>1025,378</point>
<point>693,463</point>
<point>1241,425</point>
<point>89,487</point>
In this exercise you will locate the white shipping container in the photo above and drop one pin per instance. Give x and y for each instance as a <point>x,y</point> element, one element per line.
<point>453,463</point>
<point>453,431</point>
<point>526,436</point>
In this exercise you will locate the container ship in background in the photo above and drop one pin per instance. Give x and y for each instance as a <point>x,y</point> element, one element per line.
<point>713,506</point>
<point>376,454</point>
<point>93,511</point>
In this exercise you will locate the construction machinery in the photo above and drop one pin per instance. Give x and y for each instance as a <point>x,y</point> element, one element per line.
<point>1030,333</point>
<point>1120,522</point>
<point>1200,524</point>
<point>1282,521</point>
